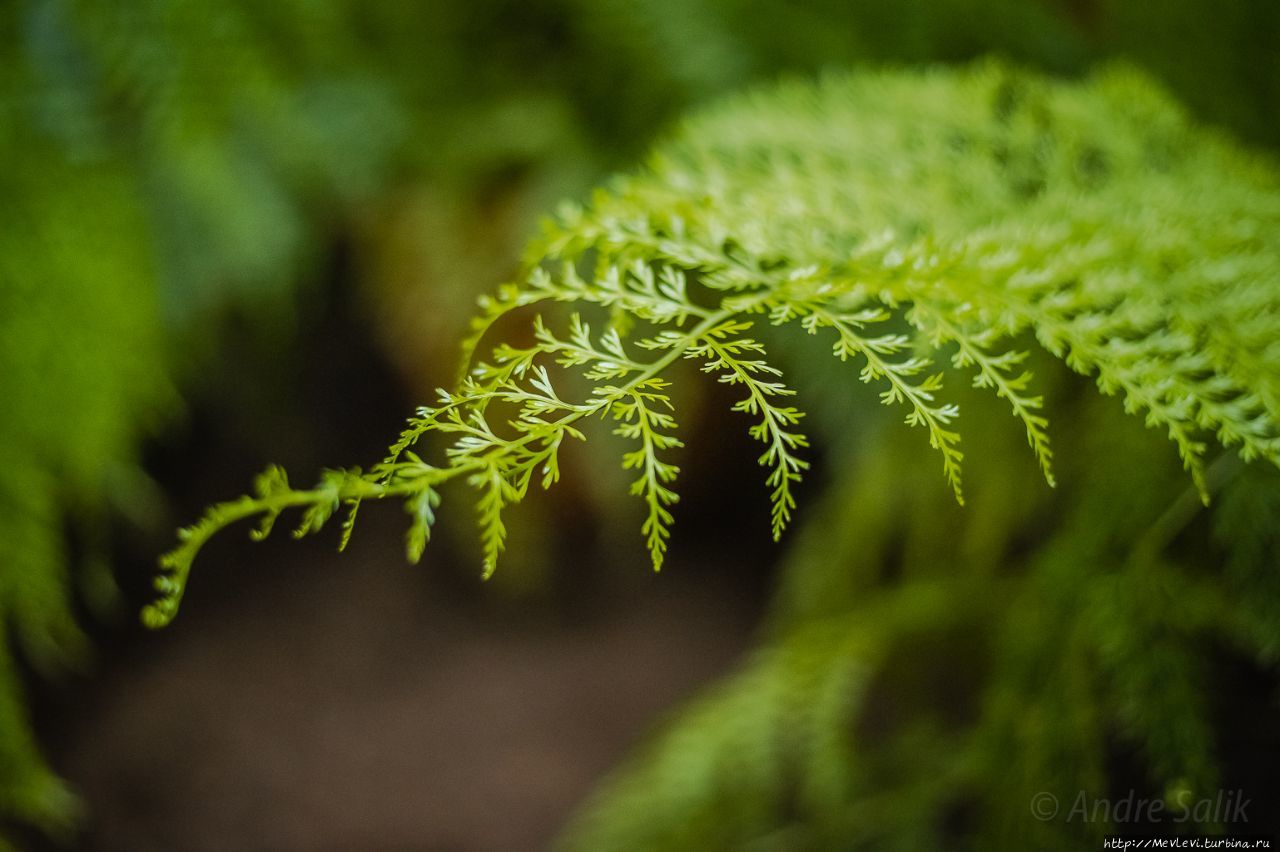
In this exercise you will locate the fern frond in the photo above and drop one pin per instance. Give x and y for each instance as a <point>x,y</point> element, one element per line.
<point>904,213</point>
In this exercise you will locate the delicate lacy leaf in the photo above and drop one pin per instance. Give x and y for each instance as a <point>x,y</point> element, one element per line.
<point>913,218</point>
<point>644,419</point>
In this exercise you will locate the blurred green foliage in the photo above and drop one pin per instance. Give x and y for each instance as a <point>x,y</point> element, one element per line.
<point>164,162</point>
<point>82,376</point>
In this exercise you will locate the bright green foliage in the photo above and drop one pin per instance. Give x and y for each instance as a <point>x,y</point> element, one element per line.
<point>905,218</point>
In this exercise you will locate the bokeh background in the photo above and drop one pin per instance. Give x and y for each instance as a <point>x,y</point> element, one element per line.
<point>234,233</point>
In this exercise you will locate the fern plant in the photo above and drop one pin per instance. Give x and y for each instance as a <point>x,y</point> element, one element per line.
<point>911,220</point>
<point>949,233</point>
<point>144,150</point>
